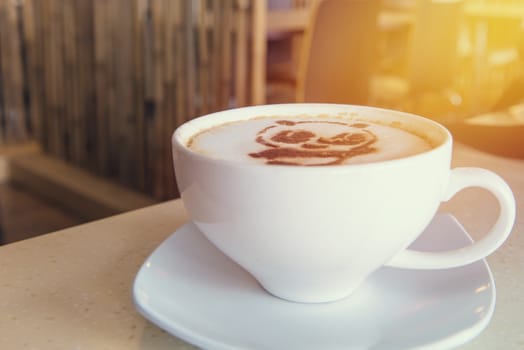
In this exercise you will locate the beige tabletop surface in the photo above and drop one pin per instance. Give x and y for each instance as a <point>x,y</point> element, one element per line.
<point>71,289</point>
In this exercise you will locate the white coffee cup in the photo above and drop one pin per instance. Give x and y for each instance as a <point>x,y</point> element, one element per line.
<point>315,233</point>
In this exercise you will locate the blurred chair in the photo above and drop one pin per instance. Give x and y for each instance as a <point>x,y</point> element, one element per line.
<point>496,40</point>
<point>337,56</point>
<point>286,23</point>
<point>432,61</point>
<point>434,53</point>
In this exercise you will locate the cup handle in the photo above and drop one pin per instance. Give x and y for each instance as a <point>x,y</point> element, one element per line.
<point>461,178</point>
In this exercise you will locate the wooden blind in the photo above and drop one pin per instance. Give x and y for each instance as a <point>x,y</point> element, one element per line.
<point>107,81</point>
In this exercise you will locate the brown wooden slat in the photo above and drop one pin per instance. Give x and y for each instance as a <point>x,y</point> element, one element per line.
<point>102,71</point>
<point>3,84</point>
<point>156,124</point>
<point>124,127</point>
<point>189,46</point>
<point>11,72</point>
<point>140,8</point>
<point>216,57</point>
<point>33,31</point>
<point>203,70</point>
<point>241,52</point>
<point>258,48</point>
<point>226,47</point>
<point>55,78</point>
<point>71,113</point>
<point>112,116</point>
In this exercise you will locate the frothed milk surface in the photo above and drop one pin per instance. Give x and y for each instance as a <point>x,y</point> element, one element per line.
<point>307,140</point>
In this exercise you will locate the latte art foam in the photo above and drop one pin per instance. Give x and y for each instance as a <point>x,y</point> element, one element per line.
<point>307,141</point>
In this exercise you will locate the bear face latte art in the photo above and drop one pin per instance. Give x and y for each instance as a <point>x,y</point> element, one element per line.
<point>307,141</point>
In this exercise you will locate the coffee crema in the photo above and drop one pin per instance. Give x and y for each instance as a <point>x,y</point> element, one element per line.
<point>307,141</point>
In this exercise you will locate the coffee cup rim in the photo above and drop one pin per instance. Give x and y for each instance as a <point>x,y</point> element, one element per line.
<point>184,132</point>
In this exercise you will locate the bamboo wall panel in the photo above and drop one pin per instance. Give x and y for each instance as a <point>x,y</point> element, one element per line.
<point>12,112</point>
<point>103,83</point>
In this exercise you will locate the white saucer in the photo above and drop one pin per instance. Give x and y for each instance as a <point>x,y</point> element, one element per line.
<point>190,289</point>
